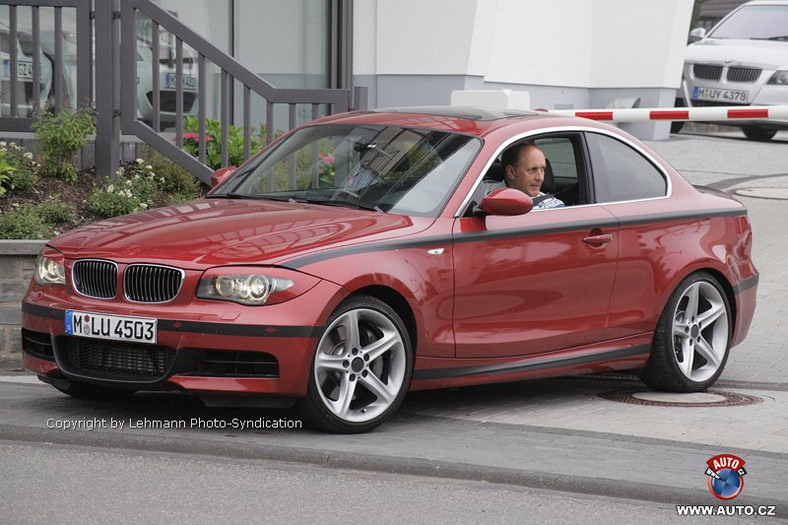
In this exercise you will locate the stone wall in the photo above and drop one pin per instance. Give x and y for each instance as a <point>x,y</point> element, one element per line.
<point>17,263</point>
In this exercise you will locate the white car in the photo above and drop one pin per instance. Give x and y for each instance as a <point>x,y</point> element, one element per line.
<point>743,60</point>
<point>25,91</point>
<point>167,86</point>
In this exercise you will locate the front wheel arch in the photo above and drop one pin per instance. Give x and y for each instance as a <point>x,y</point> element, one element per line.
<point>400,305</point>
<point>361,367</point>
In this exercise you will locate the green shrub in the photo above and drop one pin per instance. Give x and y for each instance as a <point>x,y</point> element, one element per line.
<point>122,194</point>
<point>17,168</point>
<point>143,185</point>
<point>177,181</point>
<point>56,212</point>
<point>24,223</point>
<point>38,221</point>
<point>61,135</point>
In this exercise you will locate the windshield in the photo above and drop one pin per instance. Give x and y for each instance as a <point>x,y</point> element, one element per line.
<point>406,171</point>
<point>756,22</point>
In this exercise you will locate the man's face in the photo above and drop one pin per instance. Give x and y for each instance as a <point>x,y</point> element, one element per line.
<point>527,174</point>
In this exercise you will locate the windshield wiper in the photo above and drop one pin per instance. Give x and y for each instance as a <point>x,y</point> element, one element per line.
<point>233,196</point>
<point>344,204</point>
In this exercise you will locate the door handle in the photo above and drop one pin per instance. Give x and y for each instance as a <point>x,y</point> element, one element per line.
<point>598,240</point>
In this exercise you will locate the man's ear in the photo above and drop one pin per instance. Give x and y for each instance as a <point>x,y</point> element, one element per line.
<point>510,172</point>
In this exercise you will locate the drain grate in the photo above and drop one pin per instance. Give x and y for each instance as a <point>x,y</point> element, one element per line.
<point>710,398</point>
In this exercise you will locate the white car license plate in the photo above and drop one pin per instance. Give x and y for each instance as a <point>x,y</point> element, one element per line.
<point>24,70</point>
<point>721,95</point>
<point>189,81</point>
<point>115,327</point>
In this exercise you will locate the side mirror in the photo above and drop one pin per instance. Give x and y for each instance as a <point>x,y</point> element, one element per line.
<point>506,201</point>
<point>697,34</point>
<point>220,175</point>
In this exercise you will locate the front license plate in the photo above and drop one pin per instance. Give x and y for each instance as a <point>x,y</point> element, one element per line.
<point>24,70</point>
<point>721,95</point>
<point>189,81</point>
<point>115,327</point>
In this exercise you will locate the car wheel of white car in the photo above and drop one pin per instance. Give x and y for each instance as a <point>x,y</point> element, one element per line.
<point>758,133</point>
<point>361,369</point>
<point>692,339</point>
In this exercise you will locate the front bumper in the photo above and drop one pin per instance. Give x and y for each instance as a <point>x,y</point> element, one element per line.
<point>758,93</point>
<point>202,347</point>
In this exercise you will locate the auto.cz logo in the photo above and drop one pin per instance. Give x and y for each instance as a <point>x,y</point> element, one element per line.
<point>726,481</point>
<point>726,476</point>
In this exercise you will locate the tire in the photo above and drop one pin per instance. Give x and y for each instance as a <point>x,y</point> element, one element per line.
<point>361,369</point>
<point>758,133</point>
<point>81,390</point>
<point>692,339</point>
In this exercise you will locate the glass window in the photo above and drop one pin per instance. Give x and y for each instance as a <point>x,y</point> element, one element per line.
<point>398,170</point>
<point>561,154</point>
<point>621,173</point>
<point>757,22</point>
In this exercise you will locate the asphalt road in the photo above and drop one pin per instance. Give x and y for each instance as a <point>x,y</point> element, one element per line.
<point>89,485</point>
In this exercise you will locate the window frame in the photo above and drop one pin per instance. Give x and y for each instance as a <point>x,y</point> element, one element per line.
<point>587,170</point>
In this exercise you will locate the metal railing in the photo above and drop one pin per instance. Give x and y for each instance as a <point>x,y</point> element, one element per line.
<point>37,55</point>
<point>108,47</point>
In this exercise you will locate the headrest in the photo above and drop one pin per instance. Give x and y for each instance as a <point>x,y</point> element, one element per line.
<point>495,172</point>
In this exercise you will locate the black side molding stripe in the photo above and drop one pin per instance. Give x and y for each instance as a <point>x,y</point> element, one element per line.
<point>513,233</point>
<point>200,327</point>
<point>746,284</point>
<point>43,311</point>
<point>527,365</point>
<point>683,216</point>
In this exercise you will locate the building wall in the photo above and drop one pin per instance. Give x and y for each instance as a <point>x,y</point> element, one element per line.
<point>565,53</point>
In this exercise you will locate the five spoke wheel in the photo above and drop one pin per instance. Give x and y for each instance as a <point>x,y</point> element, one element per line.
<point>692,339</point>
<point>361,369</point>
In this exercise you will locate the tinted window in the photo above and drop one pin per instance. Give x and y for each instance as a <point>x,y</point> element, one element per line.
<point>760,22</point>
<point>621,173</point>
<point>398,170</point>
<point>561,154</point>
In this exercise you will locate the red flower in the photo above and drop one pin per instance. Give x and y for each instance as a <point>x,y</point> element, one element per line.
<point>195,137</point>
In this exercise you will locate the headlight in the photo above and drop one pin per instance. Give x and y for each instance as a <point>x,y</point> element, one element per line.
<point>779,78</point>
<point>251,289</point>
<point>49,268</point>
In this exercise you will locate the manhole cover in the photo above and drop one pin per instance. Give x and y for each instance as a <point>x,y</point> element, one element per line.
<point>711,398</point>
<point>763,193</point>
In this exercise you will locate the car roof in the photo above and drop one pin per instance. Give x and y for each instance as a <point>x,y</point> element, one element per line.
<point>765,2</point>
<point>461,119</point>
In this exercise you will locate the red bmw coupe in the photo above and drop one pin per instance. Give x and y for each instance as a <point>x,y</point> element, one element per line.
<point>367,254</point>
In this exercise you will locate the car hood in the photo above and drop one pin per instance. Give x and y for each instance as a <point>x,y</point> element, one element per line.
<point>764,54</point>
<point>212,232</point>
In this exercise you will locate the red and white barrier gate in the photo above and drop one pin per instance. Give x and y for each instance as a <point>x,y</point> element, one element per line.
<point>701,114</point>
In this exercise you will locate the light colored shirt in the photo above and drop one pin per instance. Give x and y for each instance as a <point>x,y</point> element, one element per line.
<point>549,202</point>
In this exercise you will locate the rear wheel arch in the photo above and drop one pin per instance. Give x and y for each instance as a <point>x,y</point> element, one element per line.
<point>727,287</point>
<point>693,336</point>
<point>721,279</point>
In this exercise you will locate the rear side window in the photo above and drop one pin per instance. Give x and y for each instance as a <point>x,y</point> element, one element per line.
<point>621,173</point>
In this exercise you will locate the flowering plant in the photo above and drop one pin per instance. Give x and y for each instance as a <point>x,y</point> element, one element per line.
<point>213,142</point>
<point>131,189</point>
<point>18,170</point>
<point>326,169</point>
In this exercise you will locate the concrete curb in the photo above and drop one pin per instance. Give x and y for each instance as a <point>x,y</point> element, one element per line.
<point>622,488</point>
